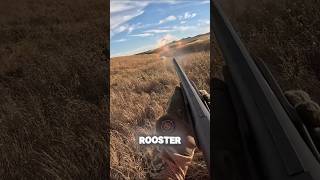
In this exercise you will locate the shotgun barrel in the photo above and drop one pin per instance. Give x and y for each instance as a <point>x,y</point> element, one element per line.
<point>199,112</point>
<point>280,151</point>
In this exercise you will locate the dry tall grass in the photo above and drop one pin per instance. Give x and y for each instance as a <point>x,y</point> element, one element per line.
<point>52,120</point>
<point>140,88</point>
<point>284,34</point>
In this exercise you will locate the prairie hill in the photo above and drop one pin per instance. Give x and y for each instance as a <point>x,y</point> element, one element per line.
<point>184,46</point>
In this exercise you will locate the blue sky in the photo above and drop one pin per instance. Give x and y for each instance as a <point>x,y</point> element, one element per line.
<point>141,25</point>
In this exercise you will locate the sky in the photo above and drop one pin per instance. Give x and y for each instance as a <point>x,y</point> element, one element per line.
<point>141,25</point>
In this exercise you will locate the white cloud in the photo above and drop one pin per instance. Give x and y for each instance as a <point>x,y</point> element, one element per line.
<point>120,29</point>
<point>126,28</point>
<point>142,35</point>
<point>205,2</point>
<point>122,12</point>
<point>169,29</point>
<point>165,40</point>
<point>167,19</point>
<point>168,1</point>
<point>157,31</point>
<point>186,16</point>
<point>120,40</point>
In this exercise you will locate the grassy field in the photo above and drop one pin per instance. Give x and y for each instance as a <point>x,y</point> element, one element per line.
<point>285,35</point>
<point>52,103</point>
<point>140,87</point>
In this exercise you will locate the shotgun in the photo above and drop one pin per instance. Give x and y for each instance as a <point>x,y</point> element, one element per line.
<point>198,112</point>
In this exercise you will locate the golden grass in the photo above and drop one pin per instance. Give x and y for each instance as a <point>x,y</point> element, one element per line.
<point>140,87</point>
<point>52,99</point>
<point>285,35</point>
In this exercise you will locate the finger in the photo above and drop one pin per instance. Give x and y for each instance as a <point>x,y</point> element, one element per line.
<point>309,111</point>
<point>297,96</point>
